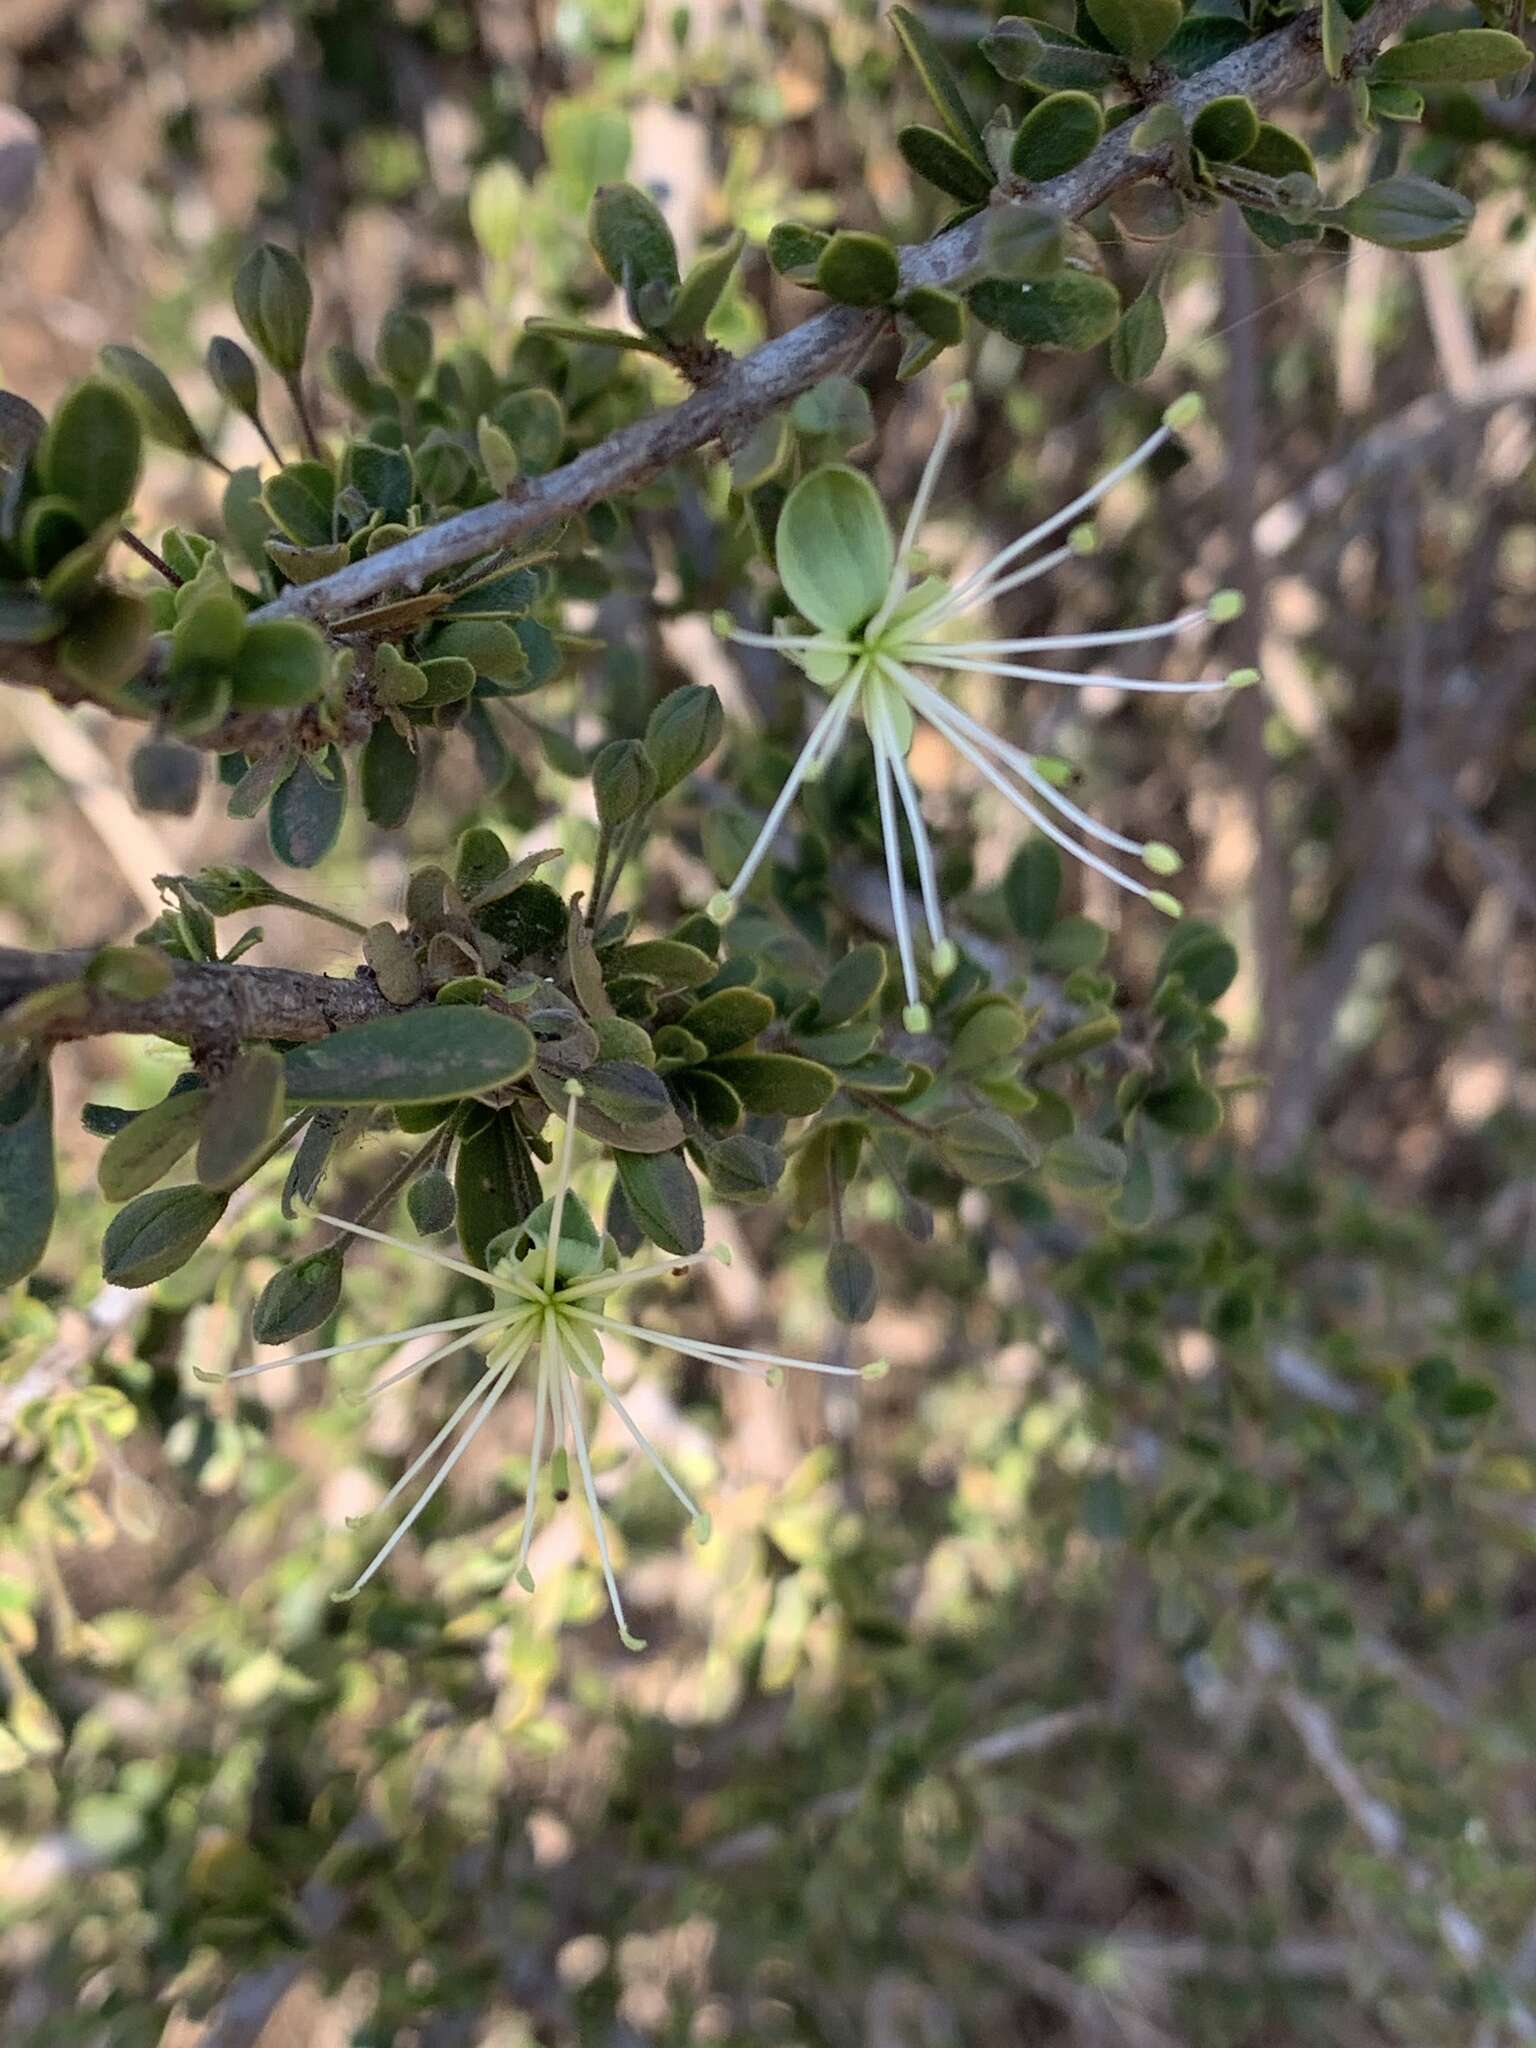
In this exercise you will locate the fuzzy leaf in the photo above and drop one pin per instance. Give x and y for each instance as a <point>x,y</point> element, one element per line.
<point>28,1180</point>
<point>157,1233</point>
<point>243,1116</point>
<point>299,1297</point>
<point>1056,135</point>
<point>944,163</point>
<point>1074,311</point>
<point>148,1147</point>
<point>306,811</point>
<point>430,1055</point>
<point>91,451</point>
<point>858,269</point>
<point>776,1083</point>
<point>663,1199</point>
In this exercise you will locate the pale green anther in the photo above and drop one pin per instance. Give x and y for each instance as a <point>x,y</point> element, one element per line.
<point>723,624</point>
<point>702,1528</point>
<point>1170,906</point>
<point>631,1642</point>
<point>525,1579</point>
<point>1242,678</point>
<point>915,1017</point>
<point>1161,859</point>
<point>1184,411</point>
<point>721,907</point>
<point>834,549</point>
<point>876,1369</point>
<point>946,957</point>
<point>1225,605</point>
<point>1057,773</point>
<point>1083,539</point>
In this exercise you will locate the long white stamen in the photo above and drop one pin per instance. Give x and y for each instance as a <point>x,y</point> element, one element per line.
<point>609,1283</point>
<point>416,1251</point>
<point>488,1398</point>
<point>936,707</point>
<point>927,875</point>
<point>713,1354</point>
<point>809,755</point>
<point>1123,636</point>
<point>793,643</point>
<point>578,1432</point>
<point>247,1372</point>
<point>690,1506</point>
<point>1070,678</point>
<point>953,606</point>
<point>1106,483</point>
<point>421,1365</point>
<point>541,1397</point>
<point>562,1185</point>
<point>898,887</point>
<point>900,578</point>
<point>1036,817</point>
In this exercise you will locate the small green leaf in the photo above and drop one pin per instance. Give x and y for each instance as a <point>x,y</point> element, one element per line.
<point>667,962</point>
<point>1337,29</point>
<point>859,269</point>
<point>1406,212</point>
<point>1138,29</point>
<point>776,1083</point>
<point>307,809</point>
<point>1056,135</point>
<point>730,1019</point>
<point>852,986</point>
<point>1137,344</point>
<point>1013,47</point>
<point>1085,1165</point>
<point>153,396</point>
<point>28,1178</point>
<point>1074,311</point>
<point>146,1149</point>
<point>243,1116</point>
<point>632,239</point>
<point>940,314</point>
<point>834,548</point>
<point>1023,240</point>
<point>1072,943</point>
<point>90,453</point>
<point>495,1185</point>
<point>1202,956</point>
<point>280,662</point>
<point>794,250</point>
<point>388,776</point>
<point>663,1199</point>
<point>1462,56</point>
<point>431,1202</point>
<point>299,1297</point>
<point>432,1055</point>
<point>932,66</point>
<point>1226,128</point>
<point>157,1233</point>
<point>700,291</point>
<point>851,1285</point>
<point>943,163</point>
<point>985,1147</point>
<point>273,299</point>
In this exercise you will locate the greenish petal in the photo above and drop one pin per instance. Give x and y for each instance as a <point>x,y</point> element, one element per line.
<point>834,549</point>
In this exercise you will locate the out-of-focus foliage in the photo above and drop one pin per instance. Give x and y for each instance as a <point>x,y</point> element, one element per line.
<point>1144,1659</point>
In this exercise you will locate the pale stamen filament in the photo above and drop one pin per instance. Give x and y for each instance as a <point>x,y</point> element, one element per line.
<point>562,1185</point>
<point>690,1506</point>
<point>418,1251</point>
<point>952,606</point>
<point>246,1372</point>
<point>607,1283</point>
<point>1065,516</point>
<point>900,579</point>
<point>1022,765</point>
<point>794,643</point>
<point>488,1398</point>
<point>930,657</point>
<point>712,1354</point>
<point>1021,803</point>
<point>541,1397</point>
<point>809,755</point>
<point>927,875</point>
<point>1123,636</point>
<point>898,887</point>
<point>410,1372</point>
<point>579,1434</point>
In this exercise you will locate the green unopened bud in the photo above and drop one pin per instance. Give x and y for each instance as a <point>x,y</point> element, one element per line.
<point>349,377</point>
<point>405,350</point>
<point>683,730</point>
<point>153,396</point>
<point>233,375</point>
<point>273,299</point>
<point>622,781</point>
<point>1161,859</point>
<point>1225,605</point>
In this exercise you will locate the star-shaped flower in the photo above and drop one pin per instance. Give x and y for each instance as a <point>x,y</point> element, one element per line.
<point>874,627</point>
<point>551,1278</point>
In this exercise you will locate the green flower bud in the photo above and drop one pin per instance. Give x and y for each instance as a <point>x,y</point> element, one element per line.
<point>405,350</point>
<point>273,299</point>
<point>233,375</point>
<point>622,781</point>
<point>165,419</point>
<point>684,730</point>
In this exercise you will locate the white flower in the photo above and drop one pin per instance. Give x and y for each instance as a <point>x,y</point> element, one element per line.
<point>551,1277</point>
<point>874,627</point>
